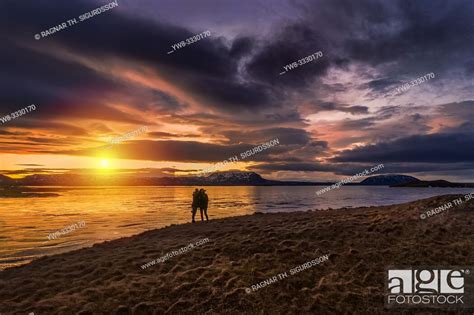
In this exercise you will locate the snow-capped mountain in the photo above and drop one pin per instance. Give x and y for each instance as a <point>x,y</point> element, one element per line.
<point>235,178</point>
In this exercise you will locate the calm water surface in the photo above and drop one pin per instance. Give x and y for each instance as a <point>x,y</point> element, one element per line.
<point>114,212</point>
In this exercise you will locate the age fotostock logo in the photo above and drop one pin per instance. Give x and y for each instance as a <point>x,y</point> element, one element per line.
<point>430,287</point>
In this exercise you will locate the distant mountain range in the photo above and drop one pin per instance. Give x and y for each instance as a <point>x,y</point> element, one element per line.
<point>395,180</point>
<point>5,180</point>
<point>215,179</point>
<point>232,178</point>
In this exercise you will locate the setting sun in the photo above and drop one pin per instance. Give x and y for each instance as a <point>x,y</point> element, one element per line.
<point>104,163</point>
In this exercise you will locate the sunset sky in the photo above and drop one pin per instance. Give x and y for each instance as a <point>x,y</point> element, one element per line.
<point>334,117</point>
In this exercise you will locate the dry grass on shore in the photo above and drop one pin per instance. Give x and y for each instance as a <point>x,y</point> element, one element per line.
<point>211,279</point>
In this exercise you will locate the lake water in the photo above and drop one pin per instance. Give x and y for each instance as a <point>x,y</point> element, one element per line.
<point>114,212</point>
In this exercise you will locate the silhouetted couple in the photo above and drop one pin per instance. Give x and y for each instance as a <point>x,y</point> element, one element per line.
<point>200,200</point>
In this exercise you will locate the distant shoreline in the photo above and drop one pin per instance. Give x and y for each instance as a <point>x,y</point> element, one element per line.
<point>228,178</point>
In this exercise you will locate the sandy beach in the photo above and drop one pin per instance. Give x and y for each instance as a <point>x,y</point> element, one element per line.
<point>216,277</point>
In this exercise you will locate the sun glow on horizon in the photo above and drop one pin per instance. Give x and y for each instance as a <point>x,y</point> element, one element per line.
<point>104,163</point>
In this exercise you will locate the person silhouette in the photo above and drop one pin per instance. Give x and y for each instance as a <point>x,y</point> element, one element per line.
<point>203,203</point>
<point>195,204</point>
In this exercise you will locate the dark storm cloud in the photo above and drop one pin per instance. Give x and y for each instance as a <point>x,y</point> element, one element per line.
<point>291,44</point>
<point>295,144</point>
<point>180,151</point>
<point>60,89</point>
<point>358,124</point>
<point>287,136</point>
<point>38,78</point>
<point>296,167</point>
<point>383,84</point>
<point>421,36</point>
<point>167,135</point>
<point>388,112</point>
<point>401,39</point>
<point>386,124</point>
<point>215,124</point>
<point>58,128</point>
<point>316,107</point>
<point>164,101</point>
<point>281,117</point>
<point>462,111</point>
<point>405,31</point>
<point>469,68</point>
<point>433,148</point>
<point>241,46</point>
<point>207,69</point>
